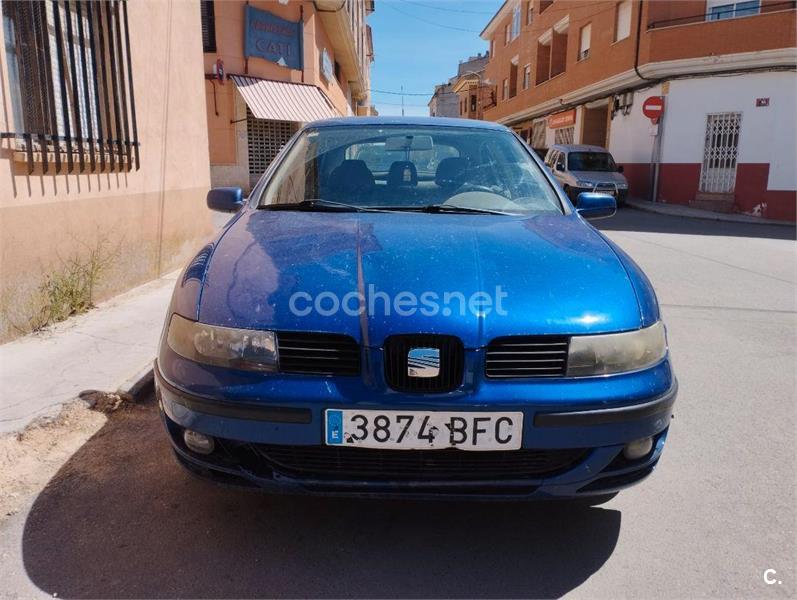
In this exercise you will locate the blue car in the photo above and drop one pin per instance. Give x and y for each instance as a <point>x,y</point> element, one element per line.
<point>413,307</point>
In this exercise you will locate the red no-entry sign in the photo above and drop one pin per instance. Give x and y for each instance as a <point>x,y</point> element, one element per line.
<point>653,107</point>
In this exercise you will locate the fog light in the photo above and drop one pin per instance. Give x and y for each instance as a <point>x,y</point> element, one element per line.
<point>638,448</point>
<point>198,442</point>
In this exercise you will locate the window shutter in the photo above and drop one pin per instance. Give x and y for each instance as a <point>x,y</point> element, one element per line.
<point>583,48</point>
<point>623,24</point>
<point>208,26</point>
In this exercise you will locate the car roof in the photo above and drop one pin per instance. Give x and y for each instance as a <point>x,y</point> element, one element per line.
<point>578,148</point>
<point>425,121</point>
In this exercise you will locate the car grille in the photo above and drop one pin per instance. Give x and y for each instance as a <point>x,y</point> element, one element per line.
<point>527,356</point>
<point>334,462</point>
<point>452,363</point>
<point>606,188</point>
<point>320,353</point>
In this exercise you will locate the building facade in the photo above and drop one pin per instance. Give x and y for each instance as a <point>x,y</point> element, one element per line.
<point>472,92</point>
<point>444,101</point>
<point>577,72</point>
<point>103,156</point>
<point>467,94</point>
<point>271,66</point>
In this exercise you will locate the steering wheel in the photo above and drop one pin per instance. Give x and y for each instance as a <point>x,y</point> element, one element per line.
<point>475,187</point>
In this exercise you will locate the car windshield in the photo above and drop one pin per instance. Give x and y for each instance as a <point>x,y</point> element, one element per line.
<point>591,161</point>
<point>410,168</point>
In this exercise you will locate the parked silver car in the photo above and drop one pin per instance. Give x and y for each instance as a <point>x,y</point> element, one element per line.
<point>582,168</point>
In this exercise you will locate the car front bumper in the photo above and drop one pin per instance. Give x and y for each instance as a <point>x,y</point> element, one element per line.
<point>243,429</point>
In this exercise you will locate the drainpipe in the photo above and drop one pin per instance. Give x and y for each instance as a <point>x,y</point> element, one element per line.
<point>656,149</point>
<point>638,38</point>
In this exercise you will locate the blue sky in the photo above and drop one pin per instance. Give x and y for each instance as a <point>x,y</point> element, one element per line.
<point>419,43</point>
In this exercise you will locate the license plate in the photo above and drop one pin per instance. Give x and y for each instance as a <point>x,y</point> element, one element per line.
<point>418,430</point>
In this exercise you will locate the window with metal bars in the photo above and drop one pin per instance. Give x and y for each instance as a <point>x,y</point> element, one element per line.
<point>208,26</point>
<point>564,135</point>
<point>538,135</point>
<point>71,84</point>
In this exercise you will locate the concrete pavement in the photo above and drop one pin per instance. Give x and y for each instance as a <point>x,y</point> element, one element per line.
<point>98,350</point>
<point>110,346</point>
<point>120,519</point>
<point>680,210</point>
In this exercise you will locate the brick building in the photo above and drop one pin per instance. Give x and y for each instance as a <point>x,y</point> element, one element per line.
<point>465,95</point>
<point>579,72</point>
<point>285,64</point>
<point>472,93</point>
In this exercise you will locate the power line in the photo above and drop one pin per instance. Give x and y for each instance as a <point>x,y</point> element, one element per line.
<point>427,21</point>
<point>400,104</point>
<point>454,10</point>
<point>426,94</point>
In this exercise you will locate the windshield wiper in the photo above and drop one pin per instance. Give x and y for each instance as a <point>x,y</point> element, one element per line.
<point>320,205</point>
<point>448,208</point>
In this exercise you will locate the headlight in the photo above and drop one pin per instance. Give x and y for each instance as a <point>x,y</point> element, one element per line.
<point>247,349</point>
<point>616,352</point>
<point>583,183</point>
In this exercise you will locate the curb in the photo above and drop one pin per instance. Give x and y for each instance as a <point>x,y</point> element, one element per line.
<point>139,384</point>
<point>705,216</point>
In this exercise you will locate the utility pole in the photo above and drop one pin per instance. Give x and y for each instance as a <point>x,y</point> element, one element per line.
<point>402,100</point>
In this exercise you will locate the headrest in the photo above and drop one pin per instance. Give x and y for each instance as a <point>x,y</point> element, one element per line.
<point>351,176</point>
<point>402,174</point>
<point>449,172</point>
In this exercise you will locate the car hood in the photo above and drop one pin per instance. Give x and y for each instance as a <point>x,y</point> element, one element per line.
<point>551,274</point>
<point>599,176</point>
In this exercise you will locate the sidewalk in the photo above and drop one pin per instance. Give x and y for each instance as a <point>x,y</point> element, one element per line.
<point>99,350</point>
<point>679,210</point>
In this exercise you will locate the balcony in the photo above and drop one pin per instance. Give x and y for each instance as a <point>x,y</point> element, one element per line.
<point>673,14</point>
<point>344,22</point>
<point>676,32</point>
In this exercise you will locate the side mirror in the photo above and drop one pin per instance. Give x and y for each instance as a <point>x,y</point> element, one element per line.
<point>591,205</point>
<point>620,169</point>
<point>560,166</point>
<point>225,199</point>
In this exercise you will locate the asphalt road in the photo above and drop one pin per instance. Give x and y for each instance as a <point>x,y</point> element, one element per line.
<point>121,519</point>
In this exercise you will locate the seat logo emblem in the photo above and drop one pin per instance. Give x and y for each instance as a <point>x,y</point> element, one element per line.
<point>423,362</point>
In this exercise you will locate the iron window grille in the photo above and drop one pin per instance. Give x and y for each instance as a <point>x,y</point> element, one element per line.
<point>538,135</point>
<point>71,84</point>
<point>564,135</point>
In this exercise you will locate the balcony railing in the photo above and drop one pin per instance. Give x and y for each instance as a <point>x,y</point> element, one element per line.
<point>704,17</point>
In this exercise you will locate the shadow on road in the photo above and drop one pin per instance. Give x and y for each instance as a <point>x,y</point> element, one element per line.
<point>630,219</point>
<point>121,519</point>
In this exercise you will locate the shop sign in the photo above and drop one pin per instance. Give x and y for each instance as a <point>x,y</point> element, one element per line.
<point>272,38</point>
<point>562,119</point>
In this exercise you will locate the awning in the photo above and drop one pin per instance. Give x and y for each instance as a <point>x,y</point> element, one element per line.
<point>284,101</point>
